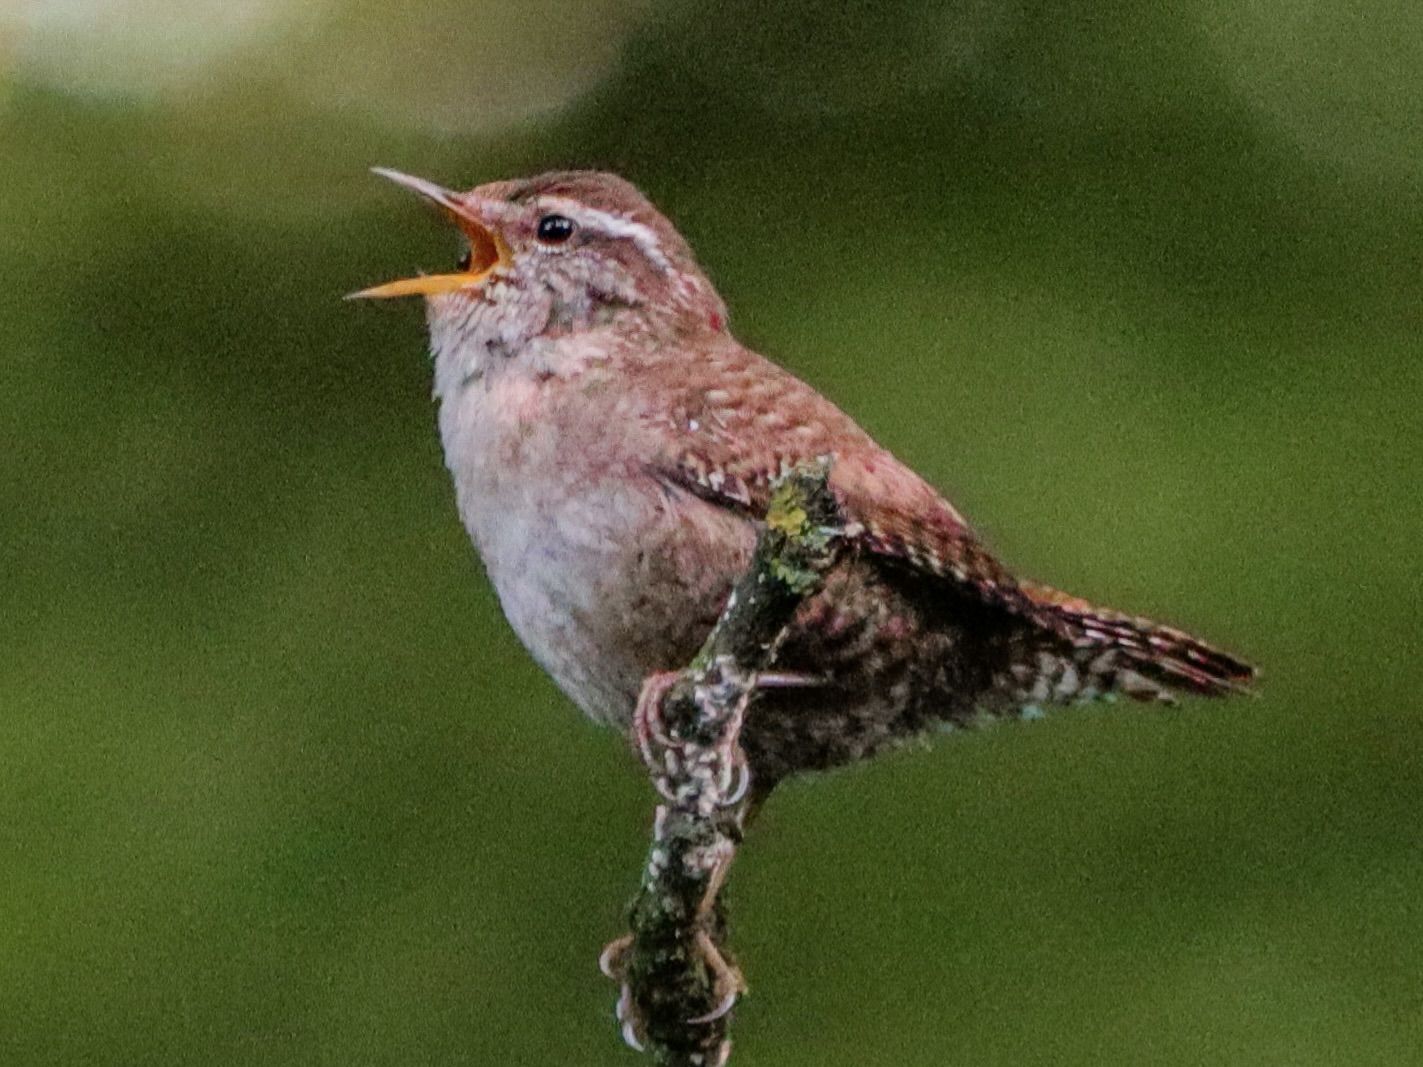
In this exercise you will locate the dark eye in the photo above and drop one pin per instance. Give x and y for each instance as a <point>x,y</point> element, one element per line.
<point>465,261</point>
<point>555,229</point>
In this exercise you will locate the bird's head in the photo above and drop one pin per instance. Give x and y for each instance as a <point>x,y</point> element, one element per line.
<point>554,255</point>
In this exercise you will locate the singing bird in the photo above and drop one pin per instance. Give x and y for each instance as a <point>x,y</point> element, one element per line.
<point>613,447</point>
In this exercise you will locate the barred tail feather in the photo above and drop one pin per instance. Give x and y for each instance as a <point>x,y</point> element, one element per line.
<point>1115,652</point>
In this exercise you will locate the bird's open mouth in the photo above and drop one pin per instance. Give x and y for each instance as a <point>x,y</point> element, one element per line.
<point>487,249</point>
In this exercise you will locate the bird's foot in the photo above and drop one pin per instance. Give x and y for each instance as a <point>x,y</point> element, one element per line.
<point>648,731</point>
<point>728,983</point>
<point>612,961</point>
<point>727,986</point>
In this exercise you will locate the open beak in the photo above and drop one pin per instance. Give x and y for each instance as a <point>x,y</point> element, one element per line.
<point>487,249</point>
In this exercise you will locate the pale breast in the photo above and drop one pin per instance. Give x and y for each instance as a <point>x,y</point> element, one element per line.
<point>605,573</point>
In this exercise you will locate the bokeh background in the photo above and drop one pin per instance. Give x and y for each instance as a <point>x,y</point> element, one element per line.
<point>1138,284</point>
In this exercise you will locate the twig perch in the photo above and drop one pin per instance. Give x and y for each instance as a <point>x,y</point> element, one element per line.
<point>679,982</point>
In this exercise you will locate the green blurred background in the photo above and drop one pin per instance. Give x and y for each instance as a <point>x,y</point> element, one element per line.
<point>1137,284</point>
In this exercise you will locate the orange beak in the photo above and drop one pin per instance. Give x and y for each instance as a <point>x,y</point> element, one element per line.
<point>487,249</point>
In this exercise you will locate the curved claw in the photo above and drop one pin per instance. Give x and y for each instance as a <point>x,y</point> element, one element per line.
<point>727,1002</point>
<point>630,1038</point>
<point>743,785</point>
<point>611,958</point>
<point>727,979</point>
<point>628,1017</point>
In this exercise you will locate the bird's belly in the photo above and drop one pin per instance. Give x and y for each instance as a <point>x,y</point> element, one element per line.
<point>606,583</point>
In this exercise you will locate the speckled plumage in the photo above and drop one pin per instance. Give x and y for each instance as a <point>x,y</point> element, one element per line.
<point>612,448</point>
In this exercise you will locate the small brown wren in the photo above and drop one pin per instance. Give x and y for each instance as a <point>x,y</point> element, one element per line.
<point>613,448</point>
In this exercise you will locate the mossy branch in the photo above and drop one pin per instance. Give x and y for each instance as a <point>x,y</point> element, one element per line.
<point>678,979</point>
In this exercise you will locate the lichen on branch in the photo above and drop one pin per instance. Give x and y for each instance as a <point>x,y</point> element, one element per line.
<point>678,979</point>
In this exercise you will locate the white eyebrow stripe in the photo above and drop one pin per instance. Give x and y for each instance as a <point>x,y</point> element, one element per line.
<point>616,226</point>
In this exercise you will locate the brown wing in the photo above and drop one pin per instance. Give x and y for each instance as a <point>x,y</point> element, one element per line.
<point>730,452</point>
<point>744,421</point>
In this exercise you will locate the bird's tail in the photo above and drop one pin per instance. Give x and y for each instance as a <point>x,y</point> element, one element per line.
<point>1112,652</point>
